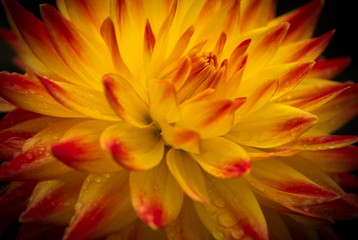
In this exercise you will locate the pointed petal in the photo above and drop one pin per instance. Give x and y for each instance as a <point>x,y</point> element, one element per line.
<point>320,141</point>
<point>187,226</point>
<point>84,100</point>
<point>133,148</point>
<point>305,50</point>
<point>276,225</point>
<point>282,124</point>
<point>265,42</point>
<point>26,94</point>
<point>302,21</point>
<point>288,186</point>
<point>209,118</point>
<point>233,213</point>
<point>125,101</point>
<point>32,31</point>
<point>52,201</point>
<point>39,231</point>
<point>74,48</point>
<point>180,138</point>
<point>16,116</point>
<point>329,68</point>
<point>156,196</point>
<point>334,160</point>
<point>103,207</point>
<point>222,158</point>
<point>188,174</point>
<point>163,101</point>
<point>255,14</point>
<point>80,148</point>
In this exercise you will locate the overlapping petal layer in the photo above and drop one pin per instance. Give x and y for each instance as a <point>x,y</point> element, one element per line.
<point>174,119</point>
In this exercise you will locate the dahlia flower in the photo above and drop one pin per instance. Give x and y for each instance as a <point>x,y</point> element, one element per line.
<point>174,119</point>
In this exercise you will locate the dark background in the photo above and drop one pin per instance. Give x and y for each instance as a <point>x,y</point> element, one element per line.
<point>340,15</point>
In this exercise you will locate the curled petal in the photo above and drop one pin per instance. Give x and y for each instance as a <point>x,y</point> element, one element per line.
<point>156,196</point>
<point>133,148</point>
<point>222,158</point>
<point>80,148</point>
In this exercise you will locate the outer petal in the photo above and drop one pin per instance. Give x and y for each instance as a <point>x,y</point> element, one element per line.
<point>286,185</point>
<point>329,68</point>
<point>305,50</point>
<point>39,231</point>
<point>17,116</point>
<point>233,212</point>
<point>125,100</point>
<point>302,21</point>
<point>156,196</point>
<point>334,160</point>
<point>271,127</point>
<point>276,226</point>
<point>188,174</point>
<point>133,148</point>
<point>103,207</point>
<point>74,48</point>
<point>52,202</point>
<point>209,118</point>
<point>187,226</point>
<point>80,148</point>
<point>222,158</point>
<point>83,100</point>
<point>24,93</point>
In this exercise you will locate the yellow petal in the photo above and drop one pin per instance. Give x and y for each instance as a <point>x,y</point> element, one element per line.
<point>133,148</point>
<point>156,196</point>
<point>188,174</point>
<point>233,213</point>
<point>222,158</point>
<point>125,101</point>
<point>273,126</point>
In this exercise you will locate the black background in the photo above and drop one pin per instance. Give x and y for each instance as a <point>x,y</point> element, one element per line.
<point>341,15</point>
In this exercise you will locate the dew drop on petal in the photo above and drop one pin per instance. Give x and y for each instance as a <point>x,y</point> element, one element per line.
<point>219,202</point>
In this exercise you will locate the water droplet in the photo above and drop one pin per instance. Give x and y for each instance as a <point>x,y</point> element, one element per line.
<point>237,234</point>
<point>29,155</point>
<point>225,220</point>
<point>97,180</point>
<point>78,206</point>
<point>219,202</point>
<point>218,235</point>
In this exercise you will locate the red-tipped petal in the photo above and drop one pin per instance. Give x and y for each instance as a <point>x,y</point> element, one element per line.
<point>329,68</point>
<point>80,148</point>
<point>158,201</point>
<point>222,158</point>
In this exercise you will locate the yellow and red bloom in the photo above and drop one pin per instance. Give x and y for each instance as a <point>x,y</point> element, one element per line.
<point>174,119</point>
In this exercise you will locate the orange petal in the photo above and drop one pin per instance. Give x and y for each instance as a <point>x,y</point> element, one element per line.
<point>188,174</point>
<point>302,21</point>
<point>329,68</point>
<point>18,90</point>
<point>305,50</point>
<point>78,52</point>
<point>209,118</point>
<point>281,125</point>
<point>233,212</point>
<point>80,148</point>
<point>255,14</point>
<point>83,100</point>
<point>156,196</point>
<point>16,116</point>
<point>222,158</point>
<point>180,138</point>
<point>133,148</point>
<point>103,207</point>
<point>52,201</point>
<point>334,160</point>
<point>125,100</point>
